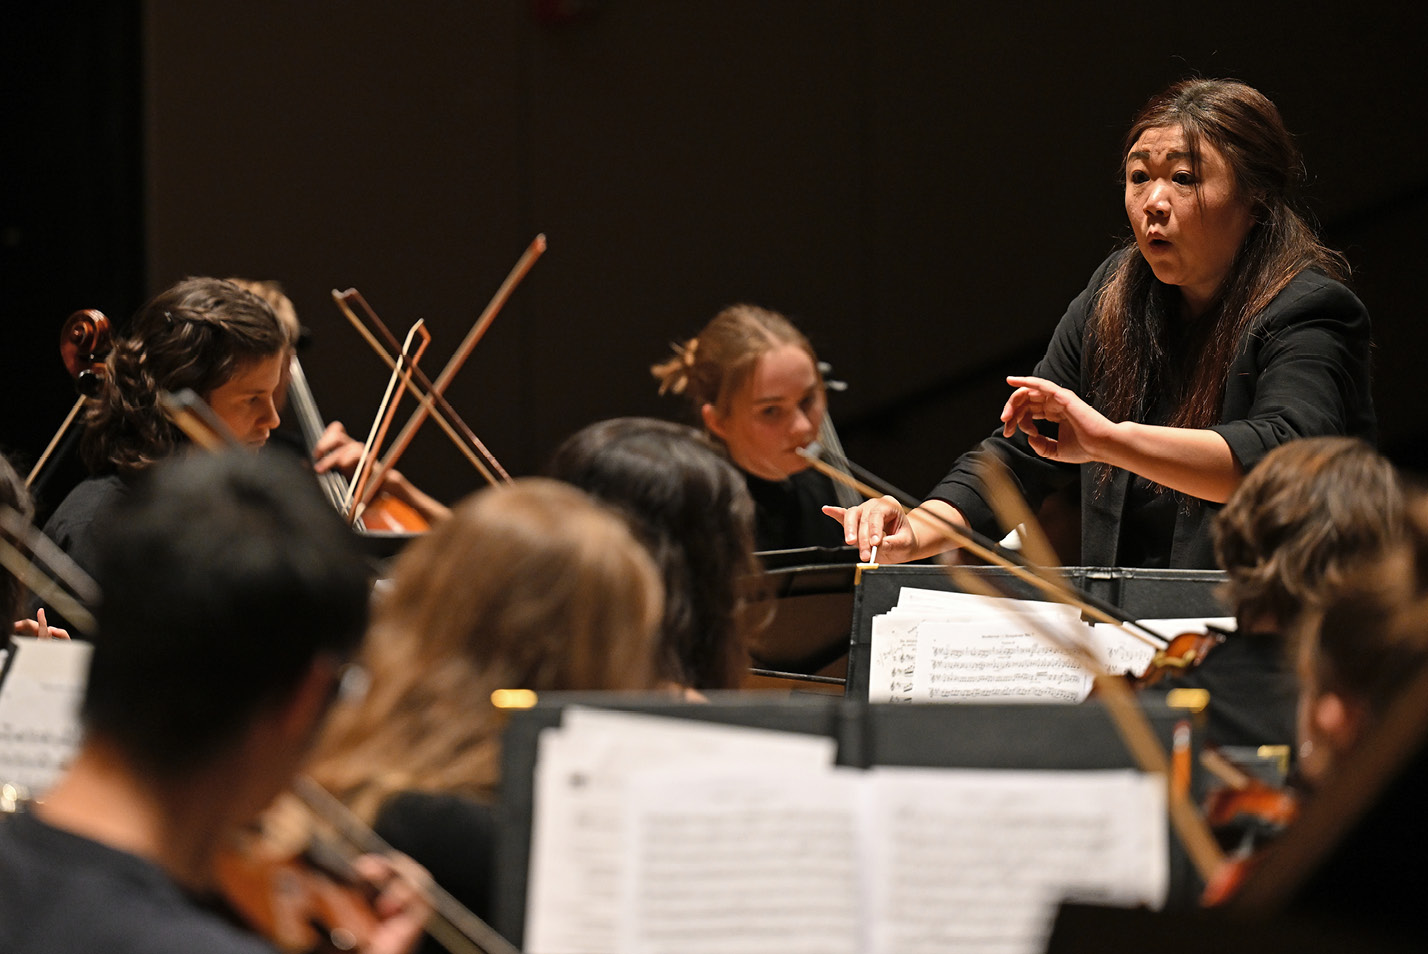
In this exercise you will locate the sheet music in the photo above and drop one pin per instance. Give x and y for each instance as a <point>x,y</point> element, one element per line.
<point>39,710</point>
<point>939,646</point>
<point>889,861</point>
<point>740,862</point>
<point>996,658</point>
<point>578,839</point>
<point>976,861</point>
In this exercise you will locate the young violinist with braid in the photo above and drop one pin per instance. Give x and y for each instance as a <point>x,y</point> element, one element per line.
<point>233,597</point>
<point>1219,332</point>
<point>204,334</point>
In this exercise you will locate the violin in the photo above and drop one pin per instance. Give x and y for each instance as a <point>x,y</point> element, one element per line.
<point>308,901</point>
<point>1184,652</point>
<point>86,339</point>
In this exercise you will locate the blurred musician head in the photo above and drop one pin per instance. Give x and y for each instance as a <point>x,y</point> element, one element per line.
<point>228,582</point>
<point>1302,521</point>
<point>204,334</point>
<point>693,511</point>
<point>1370,643</point>
<point>233,597</point>
<point>527,586</point>
<point>753,379</point>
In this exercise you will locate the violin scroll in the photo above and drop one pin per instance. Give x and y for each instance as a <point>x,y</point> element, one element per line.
<point>85,341</point>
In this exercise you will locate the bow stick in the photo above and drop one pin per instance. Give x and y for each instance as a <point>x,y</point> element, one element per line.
<point>446,417</point>
<point>47,570</point>
<point>385,410</point>
<point>454,926</point>
<point>437,390</point>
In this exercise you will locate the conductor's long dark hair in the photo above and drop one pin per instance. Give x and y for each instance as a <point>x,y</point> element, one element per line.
<point>1138,351</point>
<point>692,509</point>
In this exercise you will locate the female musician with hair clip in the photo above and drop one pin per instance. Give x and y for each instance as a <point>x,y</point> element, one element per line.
<point>753,380</point>
<point>527,586</point>
<point>204,334</point>
<point>1220,332</point>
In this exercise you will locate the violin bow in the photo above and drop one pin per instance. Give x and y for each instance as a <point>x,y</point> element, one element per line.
<point>1125,713</point>
<point>54,441</point>
<point>498,301</point>
<point>435,393</point>
<point>452,924</point>
<point>449,421</point>
<point>400,379</point>
<point>84,337</point>
<point>47,570</point>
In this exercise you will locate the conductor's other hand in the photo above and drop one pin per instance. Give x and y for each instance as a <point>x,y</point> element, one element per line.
<point>880,522</point>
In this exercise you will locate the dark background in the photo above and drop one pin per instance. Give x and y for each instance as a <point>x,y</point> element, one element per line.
<point>921,186</point>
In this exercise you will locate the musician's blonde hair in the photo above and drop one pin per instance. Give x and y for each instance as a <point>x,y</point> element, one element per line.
<point>527,586</point>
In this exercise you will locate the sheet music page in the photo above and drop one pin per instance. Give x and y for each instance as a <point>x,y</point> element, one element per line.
<point>39,710</point>
<point>892,654</point>
<point>578,836</point>
<point>740,862</point>
<point>893,636</point>
<point>976,861</point>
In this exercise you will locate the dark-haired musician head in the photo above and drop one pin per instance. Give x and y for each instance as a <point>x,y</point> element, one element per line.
<point>203,334</point>
<point>224,576</point>
<point>233,599</point>
<point>690,507</point>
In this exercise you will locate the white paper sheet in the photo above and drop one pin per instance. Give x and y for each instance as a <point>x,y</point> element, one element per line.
<point>742,862</point>
<point>976,861</point>
<point>39,711</point>
<point>578,842</point>
<point>890,861</point>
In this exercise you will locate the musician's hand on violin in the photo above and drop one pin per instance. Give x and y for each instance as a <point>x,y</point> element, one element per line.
<point>38,628</point>
<point>337,450</point>
<point>1082,431</point>
<point>401,904</point>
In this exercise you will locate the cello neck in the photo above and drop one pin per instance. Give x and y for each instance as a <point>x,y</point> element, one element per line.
<point>309,421</point>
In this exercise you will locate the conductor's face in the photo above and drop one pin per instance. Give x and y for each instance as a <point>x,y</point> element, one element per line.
<point>245,401</point>
<point>1189,223</point>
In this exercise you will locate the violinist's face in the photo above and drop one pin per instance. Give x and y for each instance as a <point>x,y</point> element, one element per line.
<point>1188,228</point>
<point>245,402</point>
<point>777,411</point>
